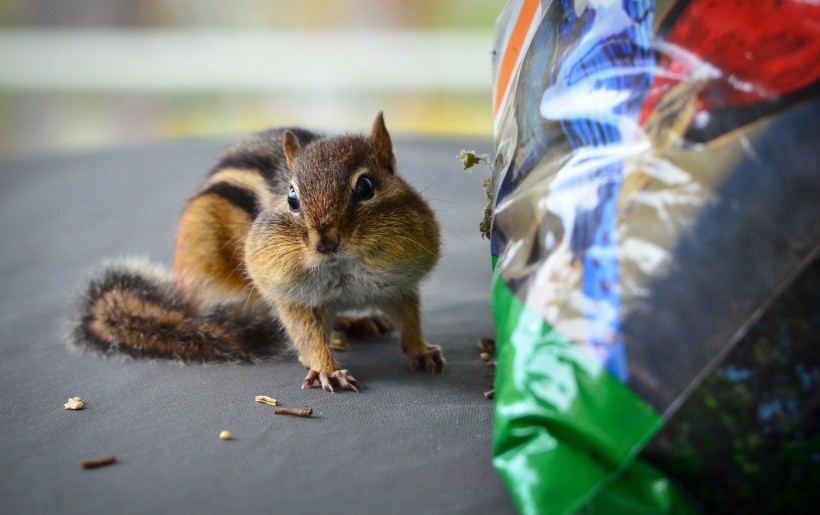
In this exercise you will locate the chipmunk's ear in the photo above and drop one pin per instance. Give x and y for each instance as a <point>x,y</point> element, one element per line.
<point>291,147</point>
<point>380,139</point>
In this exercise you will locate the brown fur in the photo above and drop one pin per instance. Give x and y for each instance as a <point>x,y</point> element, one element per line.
<point>141,311</point>
<point>239,238</point>
<point>210,243</point>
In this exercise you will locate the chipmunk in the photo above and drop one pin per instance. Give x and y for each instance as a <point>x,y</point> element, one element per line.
<point>288,230</point>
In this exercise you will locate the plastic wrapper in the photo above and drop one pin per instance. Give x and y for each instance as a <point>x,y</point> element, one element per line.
<point>656,193</point>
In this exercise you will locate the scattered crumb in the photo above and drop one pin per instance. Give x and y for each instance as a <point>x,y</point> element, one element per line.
<point>102,462</point>
<point>487,347</point>
<point>74,403</point>
<point>225,435</point>
<point>469,158</point>
<point>264,399</point>
<point>299,412</point>
<point>486,225</point>
<point>486,344</point>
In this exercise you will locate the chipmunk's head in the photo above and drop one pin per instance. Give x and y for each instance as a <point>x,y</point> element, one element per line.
<point>335,183</point>
<point>346,214</point>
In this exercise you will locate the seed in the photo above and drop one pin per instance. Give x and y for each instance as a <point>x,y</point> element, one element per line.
<point>74,403</point>
<point>306,412</point>
<point>486,344</point>
<point>264,399</point>
<point>225,435</point>
<point>102,462</point>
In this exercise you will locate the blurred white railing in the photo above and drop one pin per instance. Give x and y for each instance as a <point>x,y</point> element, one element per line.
<point>250,61</point>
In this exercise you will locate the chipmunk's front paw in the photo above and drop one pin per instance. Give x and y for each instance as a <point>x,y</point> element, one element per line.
<point>429,359</point>
<point>340,379</point>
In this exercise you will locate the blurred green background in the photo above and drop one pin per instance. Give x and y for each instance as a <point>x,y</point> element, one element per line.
<point>78,75</point>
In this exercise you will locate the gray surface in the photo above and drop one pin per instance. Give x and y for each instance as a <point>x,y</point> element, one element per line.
<point>410,443</point>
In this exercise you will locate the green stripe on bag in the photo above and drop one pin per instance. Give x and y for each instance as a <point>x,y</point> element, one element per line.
<point>566,433</point>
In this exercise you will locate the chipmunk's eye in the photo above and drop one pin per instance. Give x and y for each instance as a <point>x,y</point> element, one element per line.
<point>364,189</point>
<point>293,200</point>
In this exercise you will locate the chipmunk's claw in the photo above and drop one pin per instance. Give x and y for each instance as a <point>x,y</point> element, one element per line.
<point>340,379</point>
<point>432,360</point>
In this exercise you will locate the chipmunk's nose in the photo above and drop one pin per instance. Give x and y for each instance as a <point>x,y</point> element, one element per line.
<point>328,242</point>
<point>327,247</point>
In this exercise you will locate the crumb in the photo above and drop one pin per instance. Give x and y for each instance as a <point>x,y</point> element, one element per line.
<point>469,158</point>
<point>485,227</point>
<point>489,394</point>
<point>225,435</point>
<point>486,344</point>
<point>306,412</point>
<point>264,399</point>
<point>102,462</point>
<point>74,403</point>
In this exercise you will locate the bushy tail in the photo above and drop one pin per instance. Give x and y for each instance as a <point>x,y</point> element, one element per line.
<point>140,310</point>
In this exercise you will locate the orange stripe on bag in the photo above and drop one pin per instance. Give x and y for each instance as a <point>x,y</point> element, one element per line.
<point>517,38</point>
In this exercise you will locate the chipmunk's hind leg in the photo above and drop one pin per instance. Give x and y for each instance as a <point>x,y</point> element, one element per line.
<point>420,354</point>
<point>338,341</point>
<point>364,326</point>
<point>358,327</point>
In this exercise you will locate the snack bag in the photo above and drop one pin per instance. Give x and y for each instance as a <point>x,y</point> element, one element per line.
<point>656,190</point>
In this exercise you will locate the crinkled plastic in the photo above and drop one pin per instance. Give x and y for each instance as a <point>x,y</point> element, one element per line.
<point>656,189</point>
